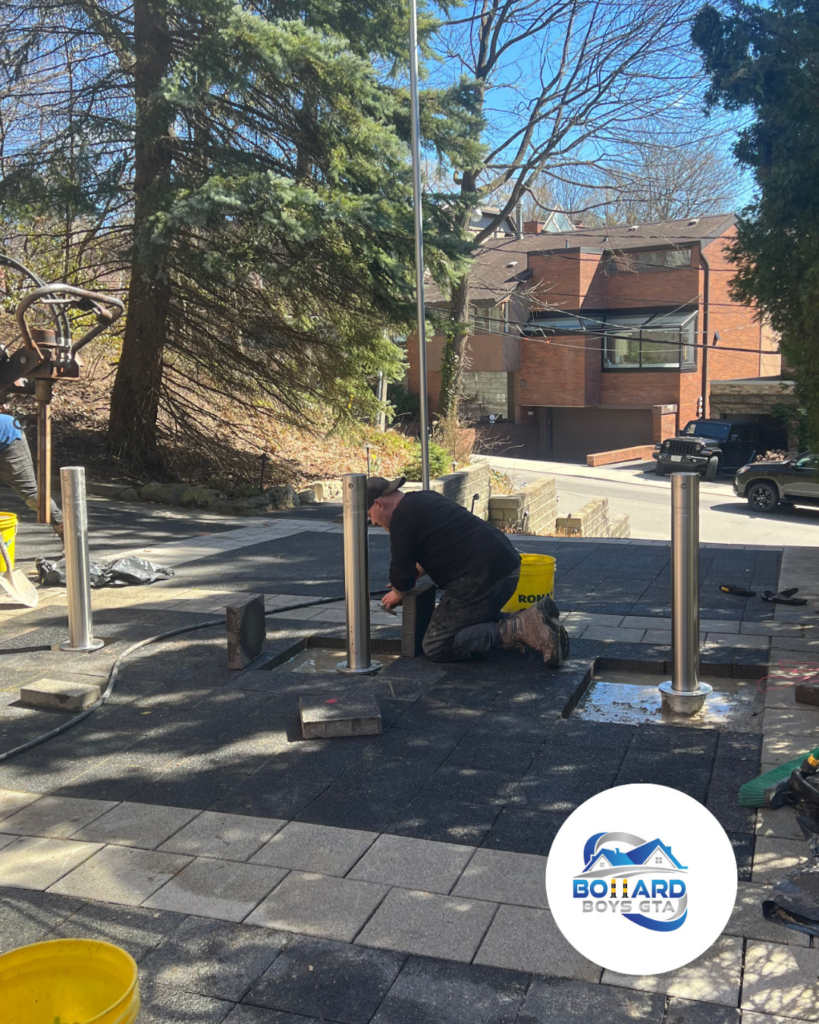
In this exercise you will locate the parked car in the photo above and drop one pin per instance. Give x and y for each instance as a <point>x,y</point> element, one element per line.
<point>709,447</point>
<point>766,484</point>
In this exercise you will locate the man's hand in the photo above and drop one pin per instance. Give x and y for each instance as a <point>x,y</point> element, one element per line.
<point>392,600</point>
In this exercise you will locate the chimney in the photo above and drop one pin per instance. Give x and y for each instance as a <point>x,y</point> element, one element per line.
<point>533,227</point>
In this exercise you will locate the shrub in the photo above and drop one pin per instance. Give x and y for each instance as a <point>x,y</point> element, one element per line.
<point>440,462</point>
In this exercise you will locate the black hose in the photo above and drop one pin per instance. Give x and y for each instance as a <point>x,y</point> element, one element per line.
<point>112,675</point>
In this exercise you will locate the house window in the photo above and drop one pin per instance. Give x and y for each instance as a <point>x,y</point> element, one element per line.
<point>658,860</point>
<point>627,346</point>
<point>487,319</point>
<point>655,259</point>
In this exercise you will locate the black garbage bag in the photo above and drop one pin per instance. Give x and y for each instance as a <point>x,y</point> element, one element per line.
<point>794,902</point>
<point>124,572</point>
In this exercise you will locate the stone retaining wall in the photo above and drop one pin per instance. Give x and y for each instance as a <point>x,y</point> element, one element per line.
<point>593,520</point>
<point>461,486</point>
<point>509,511</point>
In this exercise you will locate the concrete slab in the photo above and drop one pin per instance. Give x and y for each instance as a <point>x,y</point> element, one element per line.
<point>782,723</point>
<point>322,849</point>
<point>59,694</point>
<point>525,939</point>
<point>504,877</point>
<point>226,836</point>
<point>779,824</point>
<point>145,826</point>
<point>13,800</point>
<point>774,858</point>
<point>135,929</point>
<point>57,817</point>
<point>345,715</point>
<point>428,925</point>
<point>311,904</point>
<point>560,1001</point>
<point>748,922</point>
<point>413,863</point>
<point>780,979</point>
<point>712,978</point>
<point>613,634</point>
<point>223,889</point>
<point>30,863</point>
<point>778,750</point>
<point>120,875</point>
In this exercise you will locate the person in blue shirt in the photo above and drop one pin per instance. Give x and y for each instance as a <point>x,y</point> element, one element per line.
<point>17,469</point>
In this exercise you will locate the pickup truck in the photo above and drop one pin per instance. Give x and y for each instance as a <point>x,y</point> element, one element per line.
<point>709,447</point>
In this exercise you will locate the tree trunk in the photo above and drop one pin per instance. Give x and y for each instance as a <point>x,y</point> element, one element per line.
<point>132,431</point>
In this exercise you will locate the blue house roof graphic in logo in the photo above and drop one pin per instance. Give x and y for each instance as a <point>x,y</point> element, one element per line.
<point>601,860</point>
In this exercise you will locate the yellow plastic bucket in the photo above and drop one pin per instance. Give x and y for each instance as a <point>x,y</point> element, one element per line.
<point>8,528</point>
<point>537,580</point>
<point>68,981</point>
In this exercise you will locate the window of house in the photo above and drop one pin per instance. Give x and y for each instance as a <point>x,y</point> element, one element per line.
<point>656,259</point>
<point>487,319</point>
<point>650,343</point>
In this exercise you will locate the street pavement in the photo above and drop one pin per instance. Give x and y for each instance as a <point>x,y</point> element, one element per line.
<point>259,878</point>
<point>644,497</point>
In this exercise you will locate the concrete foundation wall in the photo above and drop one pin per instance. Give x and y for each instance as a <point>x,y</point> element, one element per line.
<point>531,510</point>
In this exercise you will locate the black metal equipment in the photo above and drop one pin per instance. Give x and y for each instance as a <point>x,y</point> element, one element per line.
<point>42,355</point>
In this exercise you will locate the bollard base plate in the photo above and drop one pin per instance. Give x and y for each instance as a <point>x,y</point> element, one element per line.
<point>368,670</point>
<point>684,702</point>
<point>92,645</point>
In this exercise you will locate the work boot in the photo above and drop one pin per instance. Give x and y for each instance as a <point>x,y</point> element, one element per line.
<point>551,610</point>
<point>533,629</point>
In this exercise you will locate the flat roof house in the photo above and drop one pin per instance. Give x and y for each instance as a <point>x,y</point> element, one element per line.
<point>593,334</point>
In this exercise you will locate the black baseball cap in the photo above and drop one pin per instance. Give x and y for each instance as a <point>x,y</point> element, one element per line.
<point>377,487</point>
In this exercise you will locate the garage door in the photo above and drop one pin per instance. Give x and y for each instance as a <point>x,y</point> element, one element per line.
<point>577,433</point>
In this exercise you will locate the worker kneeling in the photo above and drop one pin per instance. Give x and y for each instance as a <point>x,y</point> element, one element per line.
<point>476,566</point>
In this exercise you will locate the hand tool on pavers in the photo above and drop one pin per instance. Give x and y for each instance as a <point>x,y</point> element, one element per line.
<point>15,583</point>
<point>45,356</point>
<point>784,597</point>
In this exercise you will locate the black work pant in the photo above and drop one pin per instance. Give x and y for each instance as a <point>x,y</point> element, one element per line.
<point>465,621</point>
<point>17,472</point>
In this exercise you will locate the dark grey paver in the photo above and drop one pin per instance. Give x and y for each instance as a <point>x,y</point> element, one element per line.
<point>243,1014</point>
<point>213,958</point>
<point>27,916</point>
<point>689,1011</point>
<point>591,736</point>
<point>477,752</point>
<point>743,845</point>
<point>435,992</point>
<point>445,820</point>
<point>167,1004</point>
<point>330,980</point>
<point>135,929</point>
<point>524,831</point>
<point>566,1002</point>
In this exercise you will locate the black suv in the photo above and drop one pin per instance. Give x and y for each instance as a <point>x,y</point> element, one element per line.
<point>765,484</point>
<point>709,446</point>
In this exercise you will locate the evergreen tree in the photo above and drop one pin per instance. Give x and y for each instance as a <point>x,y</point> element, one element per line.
<point>246,165</point>
<point>764,59</point>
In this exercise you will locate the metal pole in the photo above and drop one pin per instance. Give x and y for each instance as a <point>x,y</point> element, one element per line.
<point>42,394</point>
<point>382,398</point>
<point>419,247</point>
<point>356,577</point>
<point>77,573</point>
<point>684,694</point>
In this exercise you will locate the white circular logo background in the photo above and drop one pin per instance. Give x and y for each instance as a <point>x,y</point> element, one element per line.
<point>641,879</point>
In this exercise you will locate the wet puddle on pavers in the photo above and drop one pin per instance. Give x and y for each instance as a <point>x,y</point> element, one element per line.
<point>320,660</point>
<point>632,698</point>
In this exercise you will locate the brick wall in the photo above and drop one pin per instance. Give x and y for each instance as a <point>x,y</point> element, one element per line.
<point>531,510</point>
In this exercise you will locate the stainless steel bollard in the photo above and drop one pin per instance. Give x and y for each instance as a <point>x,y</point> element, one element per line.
<point>684,693</point>
<point>356,577</point>
<point>77,573</point>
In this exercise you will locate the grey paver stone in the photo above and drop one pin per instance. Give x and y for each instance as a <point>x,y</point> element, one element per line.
<point>614,634</point>
<point>224,889</point>
<point>226,836</point>
<point>527,939</point>
<point>779,824</point>
<point>345,715</point>
<point>168,1004</point>
<point>57,817</point>
<point>59,694</point>
<point>27,916</point>
<point>504,877</point>
<point>774,858</point>
<point>562,1001</point>
<point>780,979</point>
<point>783,723</point>
<point>243,1014</point>
<point>7,840</point>
<point>713,977</point>
<point>413,863</point>
<point>777,750</point>
<point>213,958</point>
<point>145,826</point>
<point>13,800</point>
<point>136,929</point>
<point>118,874</point>
<point>323,849</point>
<point>312,904</point>
<point>428,925</point>
<point>691,1011</point>
<point>33,863</point>
<point>748,921</point>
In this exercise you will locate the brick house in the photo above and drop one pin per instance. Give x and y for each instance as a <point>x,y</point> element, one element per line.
<point>592,334</point>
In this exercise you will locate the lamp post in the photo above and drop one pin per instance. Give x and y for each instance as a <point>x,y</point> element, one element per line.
<point>419,246</point>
